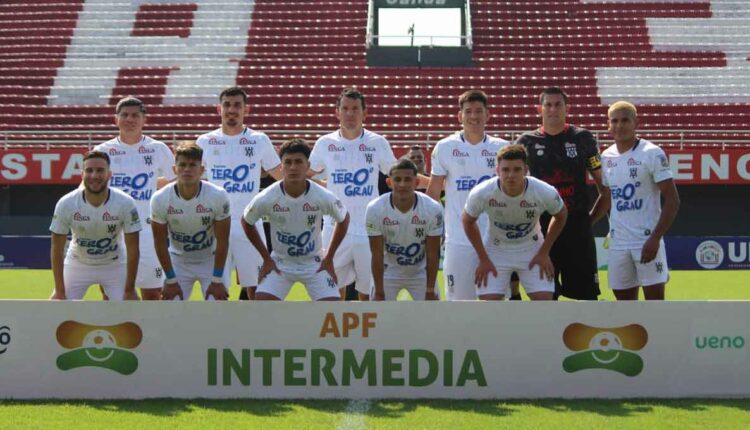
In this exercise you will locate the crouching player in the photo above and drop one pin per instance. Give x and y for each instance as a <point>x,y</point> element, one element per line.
<point>405,228</point>
<point>294,207</point>
<point>514,203</point>
<point>96,215</point>
<point>194,216</point>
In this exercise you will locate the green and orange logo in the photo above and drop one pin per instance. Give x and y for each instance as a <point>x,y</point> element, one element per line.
<point>605,348</point>
<point>104,346</point>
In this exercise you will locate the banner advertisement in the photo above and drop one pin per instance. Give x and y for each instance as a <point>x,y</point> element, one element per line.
<point>24,252</point>
<point>708,253</point>
<point>95,350</point>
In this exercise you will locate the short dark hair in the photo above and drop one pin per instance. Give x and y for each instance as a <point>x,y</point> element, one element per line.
<point>130,101</point>
<point>351,93</point>
<point>512,152</point>
<point>233,91</point>
<point>96,154</point>
<point>403,164</point>
<point>550,91</point>
<point>295,146</point>
<point>472,96</point>
<point>416,148</point>
<point>189,150</point>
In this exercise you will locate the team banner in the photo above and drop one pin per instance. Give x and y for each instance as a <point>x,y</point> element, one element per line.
<point>708,252</point>
<point>63,165</point>
<point>94,350</point>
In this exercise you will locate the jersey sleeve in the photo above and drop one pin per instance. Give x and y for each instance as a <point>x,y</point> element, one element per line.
<point>336,209</point>
<point>438,169</point>
<point>553,203</point>
<point>159,208</point>
<point>221,206</point>
<point>131,222</point>
<point>659,166</point>
<point>605,179</point>
<point>591,155</point>
<point>317,157</point>
<point>61,218</point>
<point>474,203</point>
<point>436,221</point>
<point>255,209</point>
<point>167,161</point>
<point>387,159</point>
<point>270,159</point>
<point>372,222</point>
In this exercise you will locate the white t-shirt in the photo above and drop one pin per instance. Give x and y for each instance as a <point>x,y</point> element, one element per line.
<point>234,162</point>
<point>464,166</point>
<point>135,168</point>
<point>404,234</point>
<point>191,222</point>
<point>514,221</point>
<point>350,168</point>
<point>96,230</point>
<point>636,199</point>
<point>295,221</point>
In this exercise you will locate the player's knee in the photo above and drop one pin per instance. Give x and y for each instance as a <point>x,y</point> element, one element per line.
<point>262,296</point>
<point>150,294</point>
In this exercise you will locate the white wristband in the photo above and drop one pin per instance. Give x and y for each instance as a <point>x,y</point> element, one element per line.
<point>171,281</point>
<point>217,280</point>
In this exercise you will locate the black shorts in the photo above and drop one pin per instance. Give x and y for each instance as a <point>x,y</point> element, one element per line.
<point>574,257</point>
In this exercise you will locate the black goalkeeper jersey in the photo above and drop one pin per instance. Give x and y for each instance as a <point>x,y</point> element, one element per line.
<point>562,160</point>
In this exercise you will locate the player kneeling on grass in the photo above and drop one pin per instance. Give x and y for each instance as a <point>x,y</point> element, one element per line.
<point>405,228</point>
<point>95,214</point>
<point>193,216</point>
<point>294,207</point>
<point>514,243</point>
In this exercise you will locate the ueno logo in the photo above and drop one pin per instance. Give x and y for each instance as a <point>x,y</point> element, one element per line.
<point>719,342</point>
<point>604,348</point>
<point>709,254</point>
<point>104,346</point>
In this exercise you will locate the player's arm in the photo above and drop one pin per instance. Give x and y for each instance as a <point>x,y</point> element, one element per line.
<point>162,182</point>
<point>171,287</point>
<point>485,267</point>
<point>376,249</point>
<point>57,259</point>
<point>339,231</point>
<point>217,289</point>
<point>435,186</point>
<point>423,181</point>
<point>432,258</point>
<point>556,224</point>
<point>603,201</point>
<point>668,214</point>
<point>276,173</point>
<point>252,234</point>
<point>133,255</point>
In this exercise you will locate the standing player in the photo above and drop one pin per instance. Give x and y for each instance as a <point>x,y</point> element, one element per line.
<point>193,216</point>
<point>416,156</point>
<point>561,155</point>
<point>234,155</point>
<point>140,166</point>
<point>96,215</point>
<point>350,159</point>
<point>460,162</point>
<point>514,244</point>
<point>294,208</point>
<point>406,227</point>
<point>636,175</point>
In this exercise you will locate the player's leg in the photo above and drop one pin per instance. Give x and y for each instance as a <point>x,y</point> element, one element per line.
<point>186,276</point>
<point>204,272</point>
<point>536,287</point>
<point>515,287</point>
<point>112,279</point>
<point>497,287</point>
<point>343,263</point>
<point>362,258</point>
<point>274,287</point>
<point>77,278</point>
<point>622,275</point>
<point>654,275</point>
<point>417,288</point>
<point>320,286</point>
<point>244,258</point>
<point>150,276</point>
<point>458,268</point>
<point>575,261</point>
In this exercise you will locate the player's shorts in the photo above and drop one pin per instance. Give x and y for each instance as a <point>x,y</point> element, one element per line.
<point>78,277</point>
<point>243,256</point>
<point>189,272</point>
<point>319,285</point>
<point>574,257</point>
<point>517,261</point>
<point>459,265</point>
<point>150,273</point>
<point>353,261</point>
<point>416,288</point>
<point>625,271</point>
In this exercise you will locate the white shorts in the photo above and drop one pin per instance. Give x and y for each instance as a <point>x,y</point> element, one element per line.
<point>458,268</point>
<point>150,273</point>
<point>189,272</point>
<point>243,256</point>
<point>416,288</point>
<point>508,261</point>
<point>625,271</point>
<point>319,285</point>
<point>353,261</point>
<point>78,277</point>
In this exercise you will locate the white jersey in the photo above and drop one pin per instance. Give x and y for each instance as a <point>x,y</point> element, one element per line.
<point>404,234</point>
<point>136,168</point>
<point>191,222</point>
<point>636,199</point>
<point>350,168</point>
<point>96,230</point>
<point>514,221</point>
<point>234,162</point>
<point>295,221</point>
<point>464,166</point>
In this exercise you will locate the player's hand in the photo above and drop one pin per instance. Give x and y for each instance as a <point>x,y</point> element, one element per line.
<point>130,295</point>
<point>57,296</point>
<point>431,295</point>
<point>266,268</point>
<point>379,296</point>
<point>170,291</point>
<point>482,274</point>
<point>546,268</point>
<point>649,250</point>
<point>327,265</point>
<point>217,290</point>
